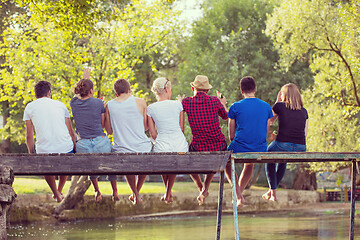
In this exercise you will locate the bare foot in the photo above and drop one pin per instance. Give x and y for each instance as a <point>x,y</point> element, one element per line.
<point>137,200</point>
<point>163,198</point>
<point>169,199</point>
<point>266,196</point>
<point>98,197</point>
<point>58,198</point>
<point>131,198</point>
<point>240,201</point>
<point>201,197</point>
<point>273,198</point>
<point>115,197</point>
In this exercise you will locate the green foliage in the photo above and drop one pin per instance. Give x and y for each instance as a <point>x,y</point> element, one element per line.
<point>78,16</point>
<point>36,50</point>
<point>228,43</point>
<point>327,31</point>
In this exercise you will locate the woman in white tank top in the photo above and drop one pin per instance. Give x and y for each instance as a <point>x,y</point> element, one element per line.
<point>168,117</point>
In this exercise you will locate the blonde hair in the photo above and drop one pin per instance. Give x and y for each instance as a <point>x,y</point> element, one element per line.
<point>159,85</point>
<point>291,96</point>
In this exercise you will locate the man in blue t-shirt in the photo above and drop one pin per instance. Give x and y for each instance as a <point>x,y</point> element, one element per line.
<point>248,127</point>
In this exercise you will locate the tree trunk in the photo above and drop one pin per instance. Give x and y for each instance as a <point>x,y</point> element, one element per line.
<point>79,185</point>
<point>304,179</point>
<point>5,144</point>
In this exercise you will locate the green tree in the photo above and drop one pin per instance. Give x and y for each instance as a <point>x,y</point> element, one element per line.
<point>37,51</point>
<point>327,31</point>
<point>228,43</point>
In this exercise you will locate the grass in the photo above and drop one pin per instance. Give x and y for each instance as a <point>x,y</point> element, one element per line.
<point>35,185</point>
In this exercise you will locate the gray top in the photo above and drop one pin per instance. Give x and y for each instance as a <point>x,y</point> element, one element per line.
<point>87,116</point>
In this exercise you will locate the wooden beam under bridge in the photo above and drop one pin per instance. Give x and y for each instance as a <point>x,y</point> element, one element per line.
<point>297,157</point>
<point>121,164</point>
<point>116,163</point>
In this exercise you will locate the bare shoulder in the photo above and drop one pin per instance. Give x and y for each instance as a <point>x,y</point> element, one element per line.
<point>140,101</point>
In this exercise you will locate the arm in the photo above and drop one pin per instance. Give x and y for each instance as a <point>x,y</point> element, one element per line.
<point>30,136</point>
<point>103,120</point>
<point>306,127</point>
<point>268,133</point>
<point>273,119</point>
<point>182,121</point>
<point>152,130</point>
<point>146,126</point>
<point>108,127</point>
<point>71,131</point>
<point>86,74</point>
<point>222,99</point>
<point>232,128</point>
<point>141,104</point>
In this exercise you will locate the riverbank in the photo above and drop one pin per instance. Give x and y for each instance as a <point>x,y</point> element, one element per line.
<point>39,207</point>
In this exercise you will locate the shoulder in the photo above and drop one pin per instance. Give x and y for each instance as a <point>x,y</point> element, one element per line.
<point>236,104</point>
<point>187,99</point>
<point>304,110</point>
<point>262,102</point>
<point>174,102</point>
<point>96,101</point>
<point>140,101</point>
<point>56,102</point>
<point>152,105</point>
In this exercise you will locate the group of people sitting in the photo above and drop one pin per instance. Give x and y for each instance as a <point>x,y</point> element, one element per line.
<point>128,118</point>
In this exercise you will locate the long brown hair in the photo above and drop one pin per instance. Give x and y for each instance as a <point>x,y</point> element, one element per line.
<point>83,87</point>
<point>291,96</point>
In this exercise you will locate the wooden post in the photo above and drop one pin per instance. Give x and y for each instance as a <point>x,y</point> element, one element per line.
<point>7,196</point>
<point>236,225</point>
<point>353,191</point>
<point>220,203</point>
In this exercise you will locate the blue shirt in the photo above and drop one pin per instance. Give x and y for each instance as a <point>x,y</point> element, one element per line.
<point>251,116</point>
<point>87,116</point>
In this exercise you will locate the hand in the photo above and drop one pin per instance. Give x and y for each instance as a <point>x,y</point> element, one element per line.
<point>103,100</point>
<point>221,98</point>
<point>278,99</point>
<point>86,74</point>
<point>180,98</point>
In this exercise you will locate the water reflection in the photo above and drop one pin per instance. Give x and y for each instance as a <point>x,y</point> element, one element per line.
<point>298,226</point>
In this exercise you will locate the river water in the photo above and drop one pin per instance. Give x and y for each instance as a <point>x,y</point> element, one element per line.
<point>317,224</point>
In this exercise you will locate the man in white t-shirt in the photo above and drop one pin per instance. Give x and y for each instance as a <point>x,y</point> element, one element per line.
<point>54,133</point>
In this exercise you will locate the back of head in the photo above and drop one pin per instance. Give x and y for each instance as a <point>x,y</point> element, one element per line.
<point>121,86</point>
<point>42,88</point>
<point>83,87</point>
<point>291,96</point>
<point>159,85</point>
<point>247,84</point>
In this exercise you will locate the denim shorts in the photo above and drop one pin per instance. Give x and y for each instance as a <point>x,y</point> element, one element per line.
<point>100,144</point>
<point>276,146</point>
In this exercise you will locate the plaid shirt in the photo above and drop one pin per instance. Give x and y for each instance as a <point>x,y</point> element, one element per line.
<point>203,111</point>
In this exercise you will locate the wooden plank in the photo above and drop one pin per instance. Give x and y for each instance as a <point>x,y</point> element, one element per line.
<point>115,163</point>
<point>266,157</point>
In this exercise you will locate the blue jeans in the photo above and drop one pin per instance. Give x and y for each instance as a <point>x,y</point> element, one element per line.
<point>275,171</point>
<point>100,144</point>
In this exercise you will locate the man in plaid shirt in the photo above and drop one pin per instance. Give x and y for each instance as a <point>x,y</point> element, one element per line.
<point>203,113</point>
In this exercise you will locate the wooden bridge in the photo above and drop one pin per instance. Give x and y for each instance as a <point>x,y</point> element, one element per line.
<point>298,157</point>
<point>159,163</point>
<point>113,164</point>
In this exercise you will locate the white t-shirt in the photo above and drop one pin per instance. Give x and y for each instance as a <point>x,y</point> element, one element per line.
<point>166,115</point>
<point>48,117</point>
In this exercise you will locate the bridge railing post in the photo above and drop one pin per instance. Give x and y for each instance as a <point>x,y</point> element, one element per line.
<point>353,192</point>
<point>7,196</point>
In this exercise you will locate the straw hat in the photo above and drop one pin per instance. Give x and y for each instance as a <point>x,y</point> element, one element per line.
<point>201,82</point>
